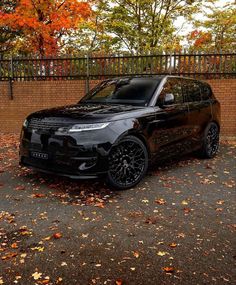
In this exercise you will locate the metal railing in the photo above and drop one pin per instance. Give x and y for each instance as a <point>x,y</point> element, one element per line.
<point>200,65</point>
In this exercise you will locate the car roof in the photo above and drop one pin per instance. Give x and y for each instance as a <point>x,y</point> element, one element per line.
<point>160,77</point>
<point>138,76</point>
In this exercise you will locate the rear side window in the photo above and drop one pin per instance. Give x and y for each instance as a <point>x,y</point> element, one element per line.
<point>206,91</point>
<point>191,90</point>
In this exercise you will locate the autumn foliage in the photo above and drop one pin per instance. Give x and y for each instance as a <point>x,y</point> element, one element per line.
<point>45,22</point>
<point>199,39</point>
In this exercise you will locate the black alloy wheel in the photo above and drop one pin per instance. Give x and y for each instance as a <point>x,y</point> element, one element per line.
<point>211,141</point>
<point>128,163</point>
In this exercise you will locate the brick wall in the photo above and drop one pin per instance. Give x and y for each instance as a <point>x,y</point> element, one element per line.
<point>35,95</point>
<point>225,92</point>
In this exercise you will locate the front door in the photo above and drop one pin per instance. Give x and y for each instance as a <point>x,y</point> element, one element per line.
<point>171,124</point>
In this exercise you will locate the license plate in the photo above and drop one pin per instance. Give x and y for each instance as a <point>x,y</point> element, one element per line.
<point>40,155</point>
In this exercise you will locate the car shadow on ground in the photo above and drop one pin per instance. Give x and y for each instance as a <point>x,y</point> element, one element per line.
<point>91,191</point>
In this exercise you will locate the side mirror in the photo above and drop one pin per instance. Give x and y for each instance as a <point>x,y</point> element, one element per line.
<point>168,99</point>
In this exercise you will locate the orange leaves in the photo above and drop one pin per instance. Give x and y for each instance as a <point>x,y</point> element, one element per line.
<point>57,235</point>
<point>100,205</point>
<point>172,245</point>
<point>9,255</point>
<point>193,34</point>
<point>38,195</point>
<point>160,201</point>
<point>136,254</point>
<point>44,22</point>
<point>14,245</point>
<point>200,38</point>
<point>168,269</point>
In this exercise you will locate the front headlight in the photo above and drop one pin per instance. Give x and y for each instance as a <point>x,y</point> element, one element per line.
<point>88,127</point>
<point>25,123</point>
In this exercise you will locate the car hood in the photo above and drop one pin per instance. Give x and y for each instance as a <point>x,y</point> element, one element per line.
<point>93,112</point>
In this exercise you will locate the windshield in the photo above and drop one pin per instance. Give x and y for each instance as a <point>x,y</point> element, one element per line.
<point>132,91</point>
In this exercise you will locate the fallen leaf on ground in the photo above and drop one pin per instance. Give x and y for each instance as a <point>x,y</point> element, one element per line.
<point>119,282</point>
<point>162,253</point>
<point>219,209</point>
<point>100,205</point>
<point>59,279</point>
<point>181,235</point>
<point>168,269</point>
<point>20,187</point>
<point>37,275</point>
<point>187,210</point>
<point>47,238</point>
<point>151,220</point>
<point>9,255</point>
<point>160,201</point>
<point>207,181</point>
<point>63,263</point>
<point>57,235</point>
<point>38,248</point>
<point>38,195</point>
<point>45,281</point>
<point>136,254</point>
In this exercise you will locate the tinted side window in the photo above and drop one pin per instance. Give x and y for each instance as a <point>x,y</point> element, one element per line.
<point>206,91</point>
<point>191,91</point>
<point>172,86</point>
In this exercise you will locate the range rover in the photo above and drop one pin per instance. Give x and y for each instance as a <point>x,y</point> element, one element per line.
<point>121,126</point>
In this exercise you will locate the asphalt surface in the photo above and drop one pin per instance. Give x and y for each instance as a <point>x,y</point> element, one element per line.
<point>177,227</point>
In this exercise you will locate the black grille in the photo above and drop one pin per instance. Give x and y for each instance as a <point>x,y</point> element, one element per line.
<point>46,124</point>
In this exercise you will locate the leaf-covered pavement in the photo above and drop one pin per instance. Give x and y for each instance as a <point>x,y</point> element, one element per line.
<point>177,227</point>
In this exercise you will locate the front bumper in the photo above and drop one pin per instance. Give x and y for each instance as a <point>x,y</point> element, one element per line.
<point>70,155</point>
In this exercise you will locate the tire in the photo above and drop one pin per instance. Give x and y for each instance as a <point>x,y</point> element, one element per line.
<point>128,163</point>
<point>210,141</point>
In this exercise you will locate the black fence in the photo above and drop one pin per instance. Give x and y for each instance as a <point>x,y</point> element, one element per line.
<point>198,65</point>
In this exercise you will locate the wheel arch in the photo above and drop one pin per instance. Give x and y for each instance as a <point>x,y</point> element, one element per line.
<point>217,123</point>
<point>138,135</point>
<point>210,122</point>
<point>204,127</point>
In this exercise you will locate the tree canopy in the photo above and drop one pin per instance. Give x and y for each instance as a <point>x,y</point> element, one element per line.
<point>43,23</point>
<point>216,31</point>
<point>7,35</point>
<point>136,26</point>
<point>147,25</point>
<point>47,27</point>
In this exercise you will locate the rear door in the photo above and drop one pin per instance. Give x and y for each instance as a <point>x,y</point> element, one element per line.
<point>199,110</point>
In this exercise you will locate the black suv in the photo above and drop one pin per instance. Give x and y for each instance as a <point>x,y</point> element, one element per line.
<point>121,126</point>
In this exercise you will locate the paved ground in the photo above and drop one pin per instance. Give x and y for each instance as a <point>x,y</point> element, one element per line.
<point>177,227</point>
